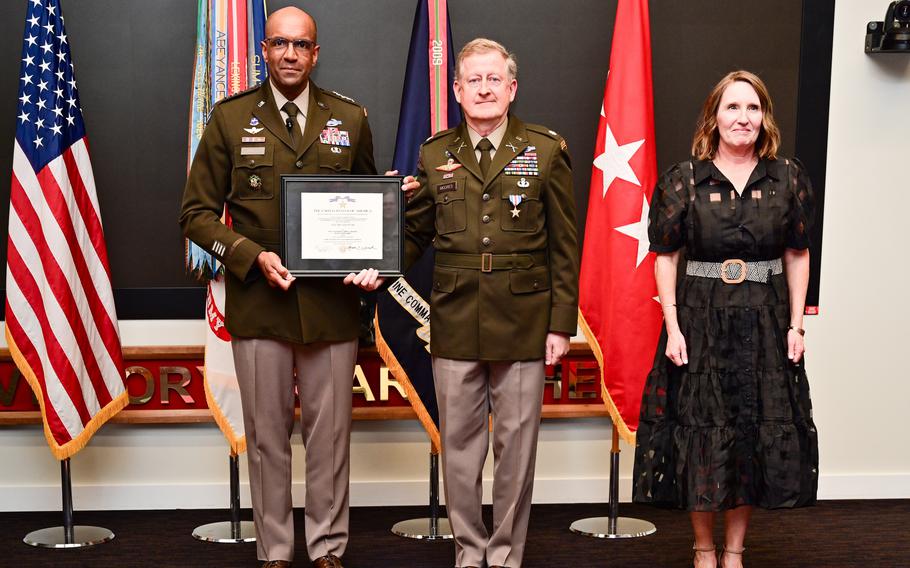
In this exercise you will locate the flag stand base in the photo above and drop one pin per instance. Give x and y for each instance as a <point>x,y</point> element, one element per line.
<point>613,526</point>
<point>432,527</point>
<point>233,531</point>
<point>67,536</point>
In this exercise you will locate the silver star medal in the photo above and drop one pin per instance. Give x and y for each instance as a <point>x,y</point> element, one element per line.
<point>515,200</point>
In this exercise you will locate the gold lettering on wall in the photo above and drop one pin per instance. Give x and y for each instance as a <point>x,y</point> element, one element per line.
<point>584,379</point>
<point>362,386</point>
<point>178,387</point>
<point>385,381</point>
<point>142,372</point>
<point>556,382</point>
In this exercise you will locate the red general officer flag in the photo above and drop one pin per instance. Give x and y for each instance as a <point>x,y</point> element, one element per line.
<point>619,313</point>
<point>61,326</point>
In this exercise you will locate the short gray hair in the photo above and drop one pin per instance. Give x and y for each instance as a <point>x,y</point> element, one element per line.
<point>484,45</point>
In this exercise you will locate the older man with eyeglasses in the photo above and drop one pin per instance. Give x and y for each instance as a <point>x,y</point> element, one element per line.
<point>496,203</point>
<point>278,324</point>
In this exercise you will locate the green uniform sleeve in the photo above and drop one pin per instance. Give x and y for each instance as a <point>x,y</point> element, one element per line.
<point>204,196</point>
<point>420,218</point>
<point>562,243</point>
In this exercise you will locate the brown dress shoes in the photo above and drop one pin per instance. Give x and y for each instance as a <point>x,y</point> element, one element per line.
<point>276,564</point>
<point>329,561</point>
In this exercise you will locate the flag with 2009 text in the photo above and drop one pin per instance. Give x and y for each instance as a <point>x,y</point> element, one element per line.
<point>403,311</point>
<point>619,313</point>
<point>61,324</point>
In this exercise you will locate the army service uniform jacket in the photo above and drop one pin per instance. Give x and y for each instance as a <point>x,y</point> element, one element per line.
<point>506,269</point>
<point>244,151</point>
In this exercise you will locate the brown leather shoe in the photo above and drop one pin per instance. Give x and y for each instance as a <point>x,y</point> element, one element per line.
<point>276,564</point>
<point>329,561</point>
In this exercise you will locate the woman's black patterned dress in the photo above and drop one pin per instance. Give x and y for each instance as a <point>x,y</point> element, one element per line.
<point>734,426</point>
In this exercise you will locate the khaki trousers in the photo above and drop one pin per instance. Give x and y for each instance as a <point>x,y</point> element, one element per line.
<point>467,392</point>
<point>325,371</point>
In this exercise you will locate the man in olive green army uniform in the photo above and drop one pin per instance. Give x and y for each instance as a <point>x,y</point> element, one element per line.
<point>286,126</point>
<point>496,201</point>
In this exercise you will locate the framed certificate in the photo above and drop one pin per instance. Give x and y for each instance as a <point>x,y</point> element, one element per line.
<point>334,225</point>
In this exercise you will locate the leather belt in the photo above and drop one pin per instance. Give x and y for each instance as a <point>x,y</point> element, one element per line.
<point>734,270</point>
<point>488,262</point>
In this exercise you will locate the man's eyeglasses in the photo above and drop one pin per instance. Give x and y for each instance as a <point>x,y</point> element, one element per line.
<point>300,45</point>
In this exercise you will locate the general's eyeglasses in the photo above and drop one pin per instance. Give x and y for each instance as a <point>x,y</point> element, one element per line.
<point>283,42</point>
<point>493,81</point>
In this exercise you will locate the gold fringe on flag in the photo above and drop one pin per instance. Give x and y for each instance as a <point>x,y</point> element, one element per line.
<point>238,445</point>
<point>402,377</point>
<point>71,448</point>
<point>618,422</point>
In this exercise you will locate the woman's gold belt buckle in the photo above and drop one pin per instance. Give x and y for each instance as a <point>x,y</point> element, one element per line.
<point>733,262</point>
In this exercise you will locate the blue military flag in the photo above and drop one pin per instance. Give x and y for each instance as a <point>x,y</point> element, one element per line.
<point>403,312</point>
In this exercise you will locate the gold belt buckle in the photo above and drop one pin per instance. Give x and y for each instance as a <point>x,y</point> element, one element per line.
<point>731,262</point>
<point>486,262</point>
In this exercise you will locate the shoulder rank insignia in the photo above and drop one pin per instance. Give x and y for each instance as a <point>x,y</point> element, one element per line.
<point>345,97</point>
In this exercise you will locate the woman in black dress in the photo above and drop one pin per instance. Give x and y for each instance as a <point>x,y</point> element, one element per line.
<point>726,422</point>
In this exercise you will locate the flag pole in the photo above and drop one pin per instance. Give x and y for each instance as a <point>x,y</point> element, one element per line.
<point>234,531</point>
<point>68,535</point>
<point>613,526</point>
<point>433,527</point>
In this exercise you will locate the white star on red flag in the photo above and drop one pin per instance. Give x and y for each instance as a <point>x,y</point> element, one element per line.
<point>619,316</point>
<point>639,231</point>
<point>614,162</point>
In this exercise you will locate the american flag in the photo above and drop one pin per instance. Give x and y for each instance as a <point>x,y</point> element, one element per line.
<point>61,325</point>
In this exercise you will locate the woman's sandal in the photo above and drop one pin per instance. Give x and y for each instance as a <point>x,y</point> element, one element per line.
<point>726,550</point>
<point>696,549</point>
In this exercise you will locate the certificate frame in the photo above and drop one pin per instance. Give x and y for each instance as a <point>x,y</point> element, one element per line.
<point>328,199</point>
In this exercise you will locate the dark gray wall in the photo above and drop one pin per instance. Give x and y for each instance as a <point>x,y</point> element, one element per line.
<point>134,65</point>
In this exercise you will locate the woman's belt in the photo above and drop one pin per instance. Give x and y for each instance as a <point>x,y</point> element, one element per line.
<point>734,270</point>
<point>487,262</point>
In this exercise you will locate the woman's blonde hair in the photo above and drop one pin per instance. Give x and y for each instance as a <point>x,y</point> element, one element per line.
<point>706,139</point>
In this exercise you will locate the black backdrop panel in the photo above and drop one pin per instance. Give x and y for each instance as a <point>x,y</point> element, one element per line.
<point>134,67</point>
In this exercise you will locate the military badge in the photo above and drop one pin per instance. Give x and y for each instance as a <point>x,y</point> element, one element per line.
<point>333,122</point>
<point>524,164</point>
<point>449,166</point>
<point>255,181</point>
<point>523,183</point>
<point>335,137</point>
<point>254,130</point>
<point>336,150</point>
<point>254,121</point>
<point>515,200</point>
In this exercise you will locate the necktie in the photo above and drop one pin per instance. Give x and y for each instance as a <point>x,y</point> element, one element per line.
<point>291,122</point>
<point>485,146</point>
